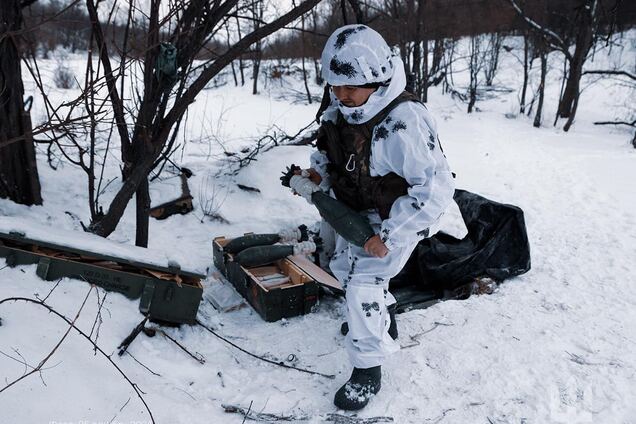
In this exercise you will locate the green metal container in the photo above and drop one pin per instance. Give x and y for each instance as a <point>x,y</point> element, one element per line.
<point>162,299</point>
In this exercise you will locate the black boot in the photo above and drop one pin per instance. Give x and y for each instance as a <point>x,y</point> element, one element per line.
<point>393,331</point>
<point>355,394</point>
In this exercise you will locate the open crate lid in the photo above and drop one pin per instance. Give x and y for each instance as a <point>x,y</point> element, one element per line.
<point>87,244</point>
<point>319,275</point>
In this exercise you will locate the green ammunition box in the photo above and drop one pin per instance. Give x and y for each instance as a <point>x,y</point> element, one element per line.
<point>297,296</point>
<point>166,293</point>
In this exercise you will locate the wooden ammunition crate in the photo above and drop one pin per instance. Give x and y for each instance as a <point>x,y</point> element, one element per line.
<point>166,293</point>
<point>296,297</point>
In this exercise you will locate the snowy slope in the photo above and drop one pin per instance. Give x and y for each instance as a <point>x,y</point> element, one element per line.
<point>556,345</point>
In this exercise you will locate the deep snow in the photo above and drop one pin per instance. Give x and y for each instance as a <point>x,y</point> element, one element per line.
<point>556,345</point>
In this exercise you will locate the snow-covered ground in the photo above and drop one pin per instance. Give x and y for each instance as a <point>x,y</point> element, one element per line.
<point>556,345</point>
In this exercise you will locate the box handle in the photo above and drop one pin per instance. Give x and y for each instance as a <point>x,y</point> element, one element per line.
<point>42,270</point>
<point>146,297</point>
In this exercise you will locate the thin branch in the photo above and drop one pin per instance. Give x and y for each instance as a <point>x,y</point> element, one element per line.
<point>200,359</point>
<point>47,357</point>
<point>50,309</point>
<point>561,45</point>
<point>236,50</point>
<point>117,103</point>
<point>611,72</point>
<point>280,364</point>
<point>631,124</point>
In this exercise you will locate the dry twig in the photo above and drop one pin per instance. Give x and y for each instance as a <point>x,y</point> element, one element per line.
<point>280,364</point>
<point>100,350</point>
<point>47,357</point>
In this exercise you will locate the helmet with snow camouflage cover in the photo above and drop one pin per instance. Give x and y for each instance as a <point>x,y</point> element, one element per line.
<point>356,55</point>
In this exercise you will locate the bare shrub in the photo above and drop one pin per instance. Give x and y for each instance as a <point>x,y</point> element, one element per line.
<point>212,195</point>
<point>63,76</point>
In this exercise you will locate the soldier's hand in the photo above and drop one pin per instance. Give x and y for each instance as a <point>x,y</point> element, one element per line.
<point>314,176</point>
<point>376,247</point>
<point>310,173</point>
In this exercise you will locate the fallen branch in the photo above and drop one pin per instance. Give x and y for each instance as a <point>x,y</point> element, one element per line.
<point>346,419</point>
<point>414,338</point>
<point>262,416</point>
<point>140,363</point>
<point>268,417</point>
<point>280,364</point>
<point>200,359</point>
<point>50,309</point>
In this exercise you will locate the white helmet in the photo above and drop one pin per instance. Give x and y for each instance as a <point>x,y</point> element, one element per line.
<point>356,55</point>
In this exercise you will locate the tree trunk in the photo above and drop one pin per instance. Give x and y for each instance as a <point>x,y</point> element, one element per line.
<point>425,72</point>
<point>343,9</point>
<point>227,32</point>
<point>474,71</point>
<point>524,88</point>
<point>438,54</point>
<point>302,37</point>
<point>107,224</point>
<point>583,44</point>
<point>544,70</point>
<point>18,169</point>
<point>240,58</point>
<point>492,62</point>
<point>256,65</point>
<point>142,201</point>
<point>318,79</point>
<point>357,11</point>
<point>416,67</point>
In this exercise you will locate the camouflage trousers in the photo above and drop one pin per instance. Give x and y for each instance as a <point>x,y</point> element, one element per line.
<point>365,279</point>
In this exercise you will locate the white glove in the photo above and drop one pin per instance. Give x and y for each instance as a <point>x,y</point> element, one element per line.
<point>304,248</point>
<point>289,234</point>
<point>303,186</point>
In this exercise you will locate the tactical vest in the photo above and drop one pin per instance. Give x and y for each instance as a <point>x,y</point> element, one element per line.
<point>348,148</point>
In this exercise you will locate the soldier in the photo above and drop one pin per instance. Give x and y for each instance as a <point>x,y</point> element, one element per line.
<point>378,152</point>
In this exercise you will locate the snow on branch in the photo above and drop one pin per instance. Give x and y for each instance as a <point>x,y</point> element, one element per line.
<point>611,72</point>
<point>547,33</point>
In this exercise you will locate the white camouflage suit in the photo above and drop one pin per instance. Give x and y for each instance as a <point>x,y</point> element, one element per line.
<point>405,143</point>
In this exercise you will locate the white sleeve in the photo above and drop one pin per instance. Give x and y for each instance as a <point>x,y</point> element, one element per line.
<point>406,143</point>
<point>319,162</point>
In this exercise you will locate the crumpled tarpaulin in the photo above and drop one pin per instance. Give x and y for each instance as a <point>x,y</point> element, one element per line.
<point>496,246</point>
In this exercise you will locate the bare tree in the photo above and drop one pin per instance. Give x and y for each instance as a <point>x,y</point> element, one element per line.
<point>475,65</point>
<point>527,65</point>
<point>171,82</point>
<point>585,27</point>
<point>628,80</point>
<point>543,54</point>
<point>492,58</point>
<point>304,69</point>
<point>18,170</point>
<point>256,8</point>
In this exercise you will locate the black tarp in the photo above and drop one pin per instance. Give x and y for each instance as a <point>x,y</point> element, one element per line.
<point>496,246</point>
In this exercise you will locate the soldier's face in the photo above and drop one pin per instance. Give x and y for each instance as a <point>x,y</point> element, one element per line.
<point>351,95</point>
